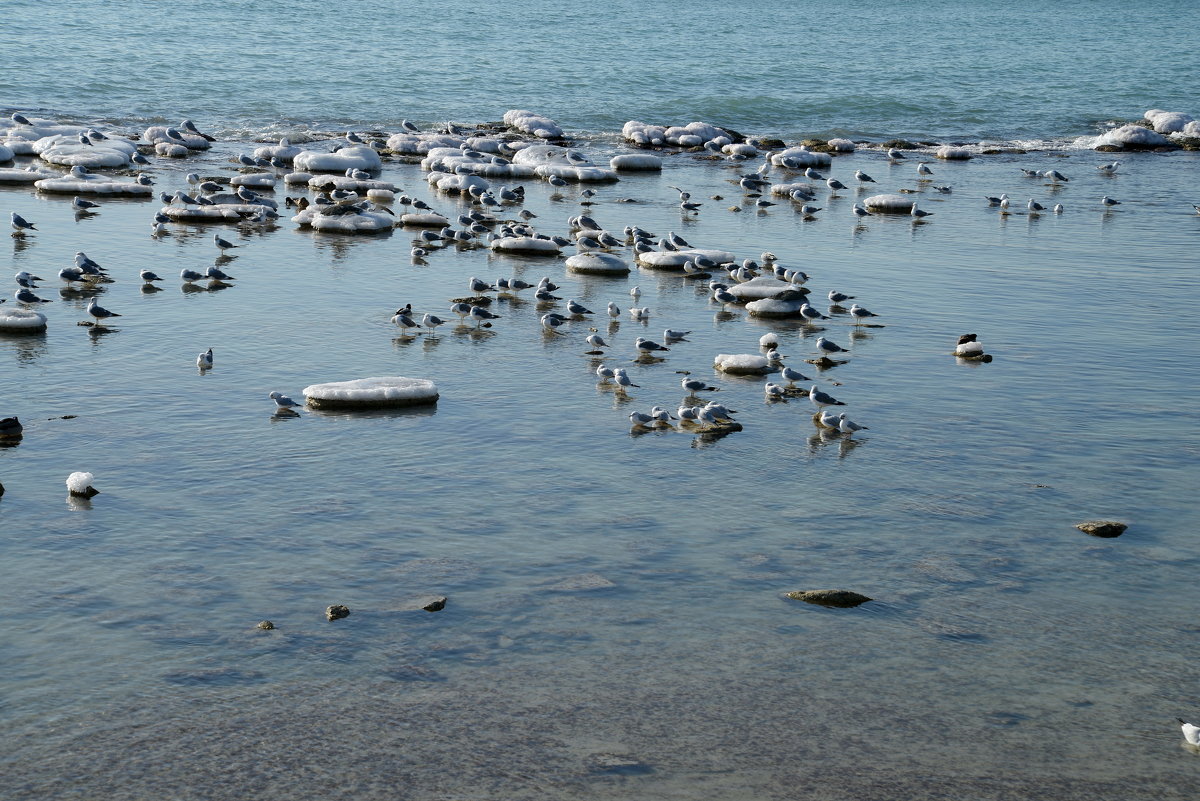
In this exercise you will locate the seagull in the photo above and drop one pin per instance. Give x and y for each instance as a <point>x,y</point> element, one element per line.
<point>918,214</point>
<point>834,184</point>
<point>23,295</point>
<point>98,312</point>
<point>147,276</point>
<point>79,204</point>
<point>431,321</point>
<point>822,399</point>
<point>838,297</point>
<point>596,341</point>
<point>190,275</point>
<point>205,360</point>
<point>696,385</point>
<point>1108,201</point>
<point>622,379</point>
<point>479,314</point>
<point>809,313</point>
<point>605,373</point>
<point>218,274</point>
<point>1034,207</point>
<point>675,335</point>
<point>848,426</point>
<point>1055,176</point>
<point>792,376</point>
<point>923,169</point>
<point>222,244</point>
<point>21,225</point>
<point>827,419</point>
<point>642,313</point>
<point>640,418</point>
<point>1190,733</point>
<point>688,414</point>
<point>574,307</point>
<point>862,177</point>
<point>283,401</point>
<point>405,322</point>
<point>996,201</point>
<point>859,313</point>
<point>614,310</point>
<point>1109,169</point>
<point>552,322</point>
<point>635,292</point>
<point>859,211</point>
<point>648,346</point>
<point>774,390</point>
<point>27,279</point>
<point>87,265</point>
<point>661,415</point>
<point>825,346</point>
<point>479,285</point>
<point>1058,208</point>
<point>896,155</point>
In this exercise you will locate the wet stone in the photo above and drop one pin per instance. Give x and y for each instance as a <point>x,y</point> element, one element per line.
<point>265,625</point>
<point>1102,528</point>
<point>842,599</point>
<point>337,612</point>
<point>436,605</point>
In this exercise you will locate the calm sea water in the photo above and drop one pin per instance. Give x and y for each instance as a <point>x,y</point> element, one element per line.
<point>615,625</point>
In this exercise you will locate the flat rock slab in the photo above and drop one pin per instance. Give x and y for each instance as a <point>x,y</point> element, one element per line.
<point>842,599</point>
<point>1102,528</point>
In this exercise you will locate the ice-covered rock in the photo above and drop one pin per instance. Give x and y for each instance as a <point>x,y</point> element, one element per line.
<point>635,162</point>
<point>786,190</point>
<point>593,263</point>
<point>525,244</point>
<point>13,175</point>
<point>219,212</point>
<point>1132,137</point>
<point>744,364</point>
<point>348,184</point>
<point>158,134</point>
<point>293,178</point>
<point>841,145</point>
<point>285,151</point>
<point>70,152</point>
<point>799,158</point>
<point>532,124</point>
<point>6,153</point>
<point>565,163</point>
<point>1167,122</point>
<point>171,150</point>
<point>764,286</point>
<point>456,184</point>
<point>372,393</point>
<point>645,135</point>
<point>786,304</point>
<point>675,259</point>
<point>343,220</point>
<point>426,219</point>
<point>950,152</point>
<point>89,184</point>
<point>895,204</point>
<point>411,144</point>
<point>14,320</point>
<point>256,180</point>
<point>358,157</point>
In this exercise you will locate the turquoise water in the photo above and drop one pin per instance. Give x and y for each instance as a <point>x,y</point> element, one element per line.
<point>948,69</point>
<point>615,625</point>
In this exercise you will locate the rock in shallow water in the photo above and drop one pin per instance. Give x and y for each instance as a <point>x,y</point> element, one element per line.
<point>1102,528</point>
<point>337,612</point>
<point>843,599</point>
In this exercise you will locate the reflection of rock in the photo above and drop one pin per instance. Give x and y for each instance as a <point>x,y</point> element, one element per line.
<point>337,612</point>
<point>837,598</point>
<point>580,583</point>
<point>620,764</point>
<point>1102,528</point>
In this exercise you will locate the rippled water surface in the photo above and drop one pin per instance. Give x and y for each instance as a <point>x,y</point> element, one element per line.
<point>616,625</point>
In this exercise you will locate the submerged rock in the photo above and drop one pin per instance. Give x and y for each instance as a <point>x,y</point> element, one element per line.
<point>1102,528</point>
<point>337,612</point>
<point>436,605</point>
<point>842,599</point>
<point>267,625</point>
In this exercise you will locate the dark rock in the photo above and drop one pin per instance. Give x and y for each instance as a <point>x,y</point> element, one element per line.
<point>842,599</point>
<point>899,144</point>
<point>1,490</point>
<point>477,300</point>
<point>767,143</point>
<point>337,612</point>
<point>267,625</point>
<point>817,145</point>
<point>436,605</point>
<point>1108,149</point>
<point>1102,528</point>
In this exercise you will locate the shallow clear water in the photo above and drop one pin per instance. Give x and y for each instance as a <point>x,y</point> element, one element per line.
<point>615,624</point>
